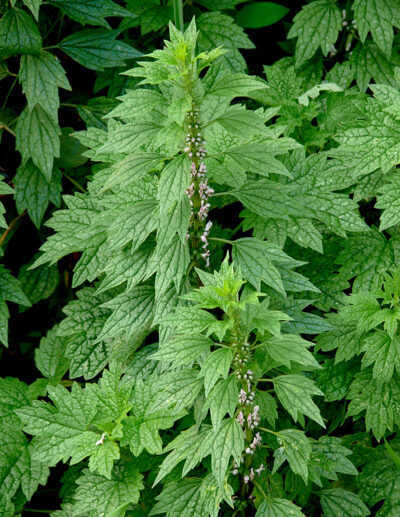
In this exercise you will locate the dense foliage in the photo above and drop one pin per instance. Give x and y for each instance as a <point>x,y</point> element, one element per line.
<point>213,312</point>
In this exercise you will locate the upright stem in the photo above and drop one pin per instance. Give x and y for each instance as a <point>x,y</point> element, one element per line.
<point>178,14</point>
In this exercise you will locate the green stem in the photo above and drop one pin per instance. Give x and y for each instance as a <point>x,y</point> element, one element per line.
<point>259,488</point>
<point>74,182</point>
<point>269,431</point>
<point>4,126</point>
<point>32,510</point>
<point>9,92</point>
<point>178,14</point>
<point>227,193</point>
<point>220,240</point>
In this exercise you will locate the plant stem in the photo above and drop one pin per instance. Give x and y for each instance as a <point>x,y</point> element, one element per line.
<point>32,510</point>
<point>178,14</point>
<point>12,224</point>
<point>74,182</point>
<point>220,240</point>
<point>259,488</point>
<point>9,92</point>
<point>4,126</point>
<point>269,431</point>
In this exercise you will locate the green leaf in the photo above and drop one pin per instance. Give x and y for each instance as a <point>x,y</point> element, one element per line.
<point>336,501</point>
<point>368,62</point>
<point>316,25</point>
<point>296,449</point>
<point>179,389</point>
<point>377,17</point>
<point>188,320</point>
<point>174,180</point>
<point>268,407</point>
<point>40,77</point>
<point>364,310</point>
<point>366,257</point>
<point>172,266</point>
<point>234,85</point>
<point>183,350</point>
<point>269,199</point>
<point>190,445</point>
<point>290,347</point>
<point>132,169</point>
<point>388,200</point>
<point>96,493</point>
<point>18,468</point>
<point>13,395</point>
<point>382,352</point>
<point>228,442</point>
<point>335,379</point>
<point>254,258</point>
<point>260,14</point>
<point>103,457</point>
<point>189,497</point>
<point>33,191</point>
<point>373,146</point>
<point>97,49</point>
<point>329,457</point>
<point>50,357</point>
<point>222,399</point>
<point>82,326</point>
<point>40,283</point>
<point>10,290</point>
<point>19,34</point>
<point>294,392</point>
<point>132,311</point>
<point>379,400</point>
<point>6,505</point>
<point>33,5</point>
<point>142,430</point>
<point>111,396</point>
<point>315,91</point>
<point>278,508</point>
<point>95,111</point>
<point>61,430</point>
<point>219,30</point>
<point>216,365</point>
<point>38,138</point>
<point>91,12</point>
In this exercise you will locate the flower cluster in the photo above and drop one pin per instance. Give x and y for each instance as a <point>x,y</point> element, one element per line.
<point>248,417</point>
<point>199,190</point>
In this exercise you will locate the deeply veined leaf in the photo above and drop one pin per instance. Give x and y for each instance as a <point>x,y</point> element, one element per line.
<point>131,311</point>
<point>222,399</point>
<point>97,49</point>
<point>216,365</point>
<point>38,138</point>
<point>219,30</point>
<point>336,501</point>
<point>289,348</point>
<point>91,12</point>
<point>377,17</point>
<point>19,34</point>
<point>34,192</point>
<point>189,497</point>
<point>316,25</point>
<point>254,259</point>
<point>296,449</point>
<point>105,496</point>
<point>278,508</point>
<point>294,392</point>
<point>40,77</point>
<point>183,350</point>
<point>228,442</point>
